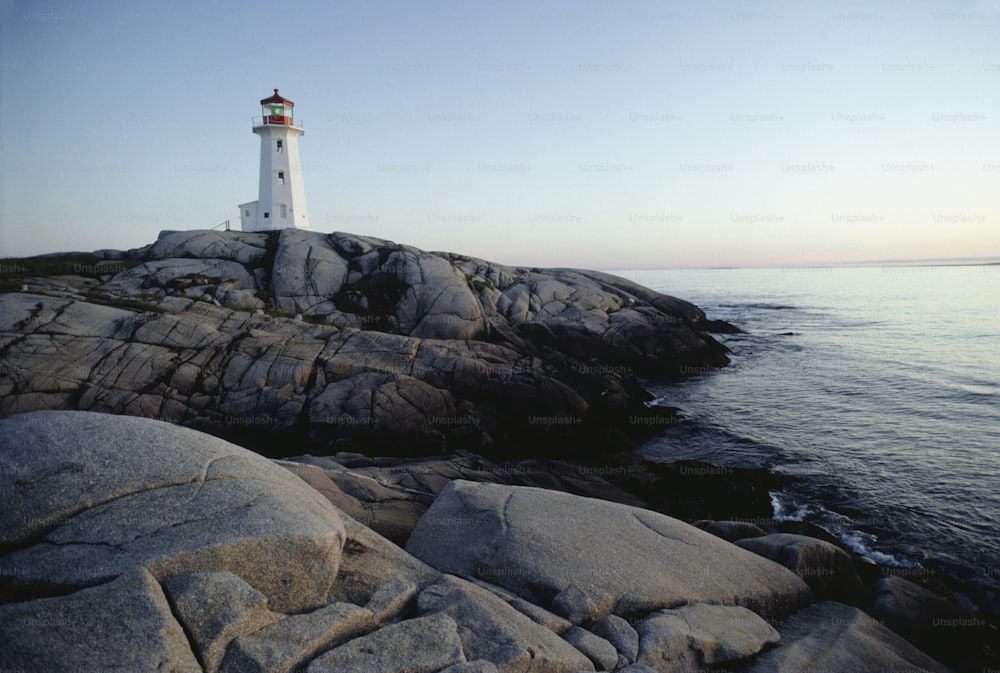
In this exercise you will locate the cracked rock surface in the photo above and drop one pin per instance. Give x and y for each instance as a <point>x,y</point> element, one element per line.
<point>133,544</point>
<point>125,624</point>
<point>337,342</point>
<point>505,535</point>
<point>92,495</point>
<point>686,639</point>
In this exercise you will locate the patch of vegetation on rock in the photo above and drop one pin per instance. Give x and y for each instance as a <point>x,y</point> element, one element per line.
<point>14,269</point>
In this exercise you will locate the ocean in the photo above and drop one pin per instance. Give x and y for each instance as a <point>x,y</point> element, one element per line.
<point>875,390</point>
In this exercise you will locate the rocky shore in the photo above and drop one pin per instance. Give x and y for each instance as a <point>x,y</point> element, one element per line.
<point>133,544</point>
<point>338,342</point>
<point>327,452</point>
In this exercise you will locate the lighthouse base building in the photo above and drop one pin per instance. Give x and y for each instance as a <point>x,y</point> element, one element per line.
<point>281,197</point>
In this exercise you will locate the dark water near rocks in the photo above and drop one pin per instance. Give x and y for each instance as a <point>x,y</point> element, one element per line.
<point>876,389</point>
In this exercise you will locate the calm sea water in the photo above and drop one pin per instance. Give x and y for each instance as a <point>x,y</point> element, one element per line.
<point>876,389</point>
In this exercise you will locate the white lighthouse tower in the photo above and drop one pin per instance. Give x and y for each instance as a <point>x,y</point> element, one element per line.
<point>281,198</point>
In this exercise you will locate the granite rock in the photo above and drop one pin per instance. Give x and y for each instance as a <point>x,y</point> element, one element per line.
<point>271,338</point>
<point>369,564</point>
<point>492,630</point>
<point>92,496</point>
<point>294,640</point>
<point>619,633</point>
<point>938,626</point>
<point>243,247</point>
<point>731,530</point>
<point>421,645</point>
<point>509,536</point>
<point>837,638</point>
<point>689,638</point>
<point>124,624</point>
<point>479,666</point>
<point>139,545</point>
<point>826,568</point>
<point>597,649</point>
<point>215,608</point>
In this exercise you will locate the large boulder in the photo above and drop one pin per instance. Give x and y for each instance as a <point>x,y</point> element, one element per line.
<point>689,638</point>
<point>90,497</point>
<point>130,544</point>
<point>585,558</point>
<point>940,627</point>
<point>389,495</point>
<point>836,638</point>
<point>825,567</point>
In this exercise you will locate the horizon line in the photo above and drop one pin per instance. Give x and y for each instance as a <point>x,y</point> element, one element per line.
<point>896,262</point>
<point>860,264</point>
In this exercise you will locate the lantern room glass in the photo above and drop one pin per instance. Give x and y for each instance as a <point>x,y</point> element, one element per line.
<point>277,113</point>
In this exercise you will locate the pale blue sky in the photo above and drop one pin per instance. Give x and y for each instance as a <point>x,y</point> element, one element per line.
<point>633,134</point>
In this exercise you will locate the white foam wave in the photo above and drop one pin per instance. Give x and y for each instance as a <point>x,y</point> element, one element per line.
<point>858,541</point>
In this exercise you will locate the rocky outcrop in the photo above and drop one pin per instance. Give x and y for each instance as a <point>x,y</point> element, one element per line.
<point>246,248</point>
<point>337,342</point>
<point>506,535</point>
<point>306,283</point>
<point>131,544</point>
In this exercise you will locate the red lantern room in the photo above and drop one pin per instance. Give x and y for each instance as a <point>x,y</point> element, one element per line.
<point>277,110</point>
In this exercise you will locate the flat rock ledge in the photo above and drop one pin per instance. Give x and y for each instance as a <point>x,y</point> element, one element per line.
<point>133,544</point>
<point>338,342</point>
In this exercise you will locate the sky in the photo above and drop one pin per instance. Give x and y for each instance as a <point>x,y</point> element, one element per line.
<point>613,135</point>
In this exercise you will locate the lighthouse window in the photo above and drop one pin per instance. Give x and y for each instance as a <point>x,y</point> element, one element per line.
<point>279,146</point>
<point>267,215</point>
<point>284,212</point>
<point>281,177</point>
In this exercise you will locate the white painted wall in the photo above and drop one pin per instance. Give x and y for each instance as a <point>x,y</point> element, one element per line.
<point>271,194</point>
<point>248,216</point>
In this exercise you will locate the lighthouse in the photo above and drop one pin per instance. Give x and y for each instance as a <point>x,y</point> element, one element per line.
<point>281,198</point>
